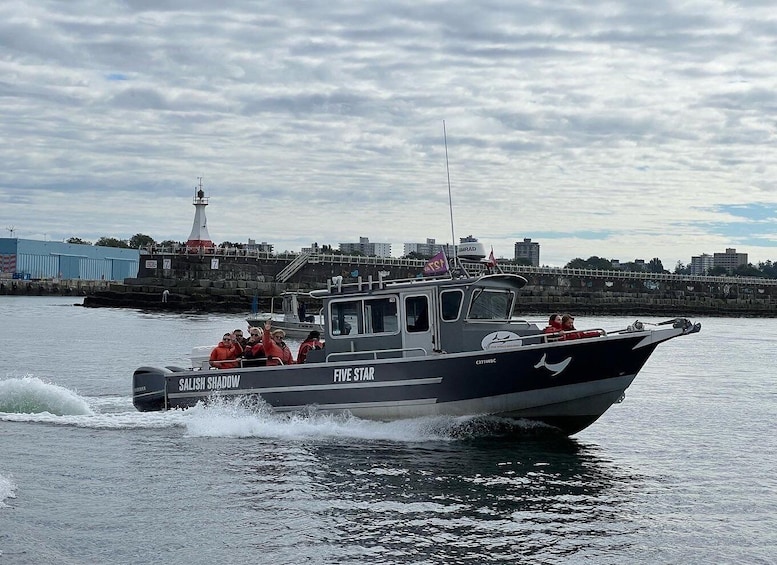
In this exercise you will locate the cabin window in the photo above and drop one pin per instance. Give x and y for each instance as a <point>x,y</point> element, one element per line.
<point>491,305</point>
<point>450,304</point>
<point>346,318</point>
<point>417,313</point>
<point>380,315</point>
<point>364,316</point>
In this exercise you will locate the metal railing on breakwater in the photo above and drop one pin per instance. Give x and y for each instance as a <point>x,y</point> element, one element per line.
<point>357,260</point>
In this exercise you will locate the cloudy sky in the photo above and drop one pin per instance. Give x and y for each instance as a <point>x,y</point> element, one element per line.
<point>619,129</point>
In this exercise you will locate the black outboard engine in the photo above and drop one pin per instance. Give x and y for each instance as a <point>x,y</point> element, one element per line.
<point>148,388</point>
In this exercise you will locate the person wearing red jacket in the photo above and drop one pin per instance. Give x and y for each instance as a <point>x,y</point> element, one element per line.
<point>253,352</point>
<point>224,355</point>
<point>311,342</point>
<point>570,332</point>
<point>277,352</point>
<point>554,324</point>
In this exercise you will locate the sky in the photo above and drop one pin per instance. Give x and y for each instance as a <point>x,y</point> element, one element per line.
<point>625,130</point>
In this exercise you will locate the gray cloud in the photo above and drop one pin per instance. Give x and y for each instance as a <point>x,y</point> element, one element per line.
<point>633,122</point>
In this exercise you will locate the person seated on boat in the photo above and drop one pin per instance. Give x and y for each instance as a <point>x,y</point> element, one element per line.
<point>554,324</point>
<point>238,336</point>
<point>253,352</point>
<point>276,351</point>
<point>311,342</point>
<point>225,354</point>
<point>570,332</point>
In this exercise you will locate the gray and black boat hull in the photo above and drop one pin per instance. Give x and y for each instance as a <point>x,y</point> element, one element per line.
<point>566,384</point>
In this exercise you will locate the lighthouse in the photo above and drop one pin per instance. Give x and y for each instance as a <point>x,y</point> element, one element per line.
<point>199,236</point>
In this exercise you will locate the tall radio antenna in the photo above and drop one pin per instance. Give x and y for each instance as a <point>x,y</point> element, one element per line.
<point>450,197</point>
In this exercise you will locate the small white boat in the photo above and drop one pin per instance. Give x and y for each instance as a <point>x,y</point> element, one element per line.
<point>293,318</point>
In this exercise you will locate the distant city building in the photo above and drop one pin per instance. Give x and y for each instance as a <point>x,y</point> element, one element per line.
<point>428,249</point>
<point>253,246</point>
<point>314,249</point>
<point>616,264</point>
<point>528,249</point>
<point>729,260</point>
<point>32,259</point>
<point>366,248</point>
<point>701,264</point>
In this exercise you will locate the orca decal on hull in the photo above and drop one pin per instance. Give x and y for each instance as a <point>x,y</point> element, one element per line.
<point>554,368</point>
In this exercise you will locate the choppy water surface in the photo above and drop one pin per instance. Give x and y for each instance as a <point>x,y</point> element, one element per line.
<point>683,471</point>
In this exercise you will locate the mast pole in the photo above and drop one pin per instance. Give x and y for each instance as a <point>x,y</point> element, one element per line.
<point>450,197</point>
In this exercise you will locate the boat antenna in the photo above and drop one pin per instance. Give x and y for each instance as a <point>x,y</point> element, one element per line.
<point>450,197</point>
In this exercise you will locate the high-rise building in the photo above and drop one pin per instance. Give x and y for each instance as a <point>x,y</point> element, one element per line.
<point>427,249</point>
<point>729,260</point>
<point>366,248</point>
<point>701,264</point>
<point>528,249</point>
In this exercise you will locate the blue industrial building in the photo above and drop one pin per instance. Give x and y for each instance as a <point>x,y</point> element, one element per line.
<point>32,259</point>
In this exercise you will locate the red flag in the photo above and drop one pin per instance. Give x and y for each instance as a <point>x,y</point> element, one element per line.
<point>491,259</point>
<point>437,265</point>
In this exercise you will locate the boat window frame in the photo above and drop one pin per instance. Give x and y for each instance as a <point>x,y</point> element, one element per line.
<point>478,292</point>
<point>364,312</point>
<point>443,294</point>
<point>424,312</point>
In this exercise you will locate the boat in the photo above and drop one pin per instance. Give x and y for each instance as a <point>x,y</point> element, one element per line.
<point>432,346</point>
<point>294,321</point>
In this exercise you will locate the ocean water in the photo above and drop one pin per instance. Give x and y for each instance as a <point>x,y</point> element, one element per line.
<point>683,471</point>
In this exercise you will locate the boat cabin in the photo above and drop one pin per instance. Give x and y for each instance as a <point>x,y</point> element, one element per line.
<point>419,317</point>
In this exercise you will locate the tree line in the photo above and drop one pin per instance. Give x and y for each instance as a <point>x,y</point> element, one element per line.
<point>763,269</point>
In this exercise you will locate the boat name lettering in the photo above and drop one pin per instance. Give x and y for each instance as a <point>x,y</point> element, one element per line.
<point>486,361</point>
<point>209,383</point>
<point>354,374</point>
<point>139,389</point>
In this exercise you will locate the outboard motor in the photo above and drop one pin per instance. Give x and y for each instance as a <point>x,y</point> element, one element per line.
<point>148,388</point>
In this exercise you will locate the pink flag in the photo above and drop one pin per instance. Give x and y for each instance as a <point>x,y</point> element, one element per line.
<point>437,265</point>
<point>491,259</point>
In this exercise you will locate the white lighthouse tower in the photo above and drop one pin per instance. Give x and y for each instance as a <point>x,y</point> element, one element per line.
<point>199,236</point>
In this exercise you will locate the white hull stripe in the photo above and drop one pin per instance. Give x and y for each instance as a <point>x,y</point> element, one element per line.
<point>305,388</point>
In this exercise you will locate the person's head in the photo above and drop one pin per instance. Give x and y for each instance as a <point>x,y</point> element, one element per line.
<point>313,335</point>
<point>567,321</point>
<point>554,320</point>
<point>254,333</point>
<point>278,335</point>
<point>227,338</point>
<point>238,334</point>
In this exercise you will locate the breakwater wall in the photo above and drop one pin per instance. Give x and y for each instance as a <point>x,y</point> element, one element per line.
<point>197,283</point>
<point>50,287</point>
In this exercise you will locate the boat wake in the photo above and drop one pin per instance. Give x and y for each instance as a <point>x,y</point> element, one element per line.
<point>7,490</point>
<point>31,395</point>
<point>31,399</point>
<point>240,417</point>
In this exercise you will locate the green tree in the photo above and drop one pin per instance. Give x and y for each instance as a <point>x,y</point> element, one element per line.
<point>593,262</point>
<point>416,255</point>
<point>748,271</point>
<point>655,265</point>
<point>78,241</point>
<point>681,269</point>
<point>717,271</point>
<point>112,242</point>
<point>141,240</point>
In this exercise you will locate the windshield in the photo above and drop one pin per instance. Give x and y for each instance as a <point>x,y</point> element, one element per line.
<point>491,305</point>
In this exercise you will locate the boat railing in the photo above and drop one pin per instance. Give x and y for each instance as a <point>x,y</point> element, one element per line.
<point>374,353</point>
<point>578,334</point>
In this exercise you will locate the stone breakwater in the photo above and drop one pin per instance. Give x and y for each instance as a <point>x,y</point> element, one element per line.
<point>578,296</point>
